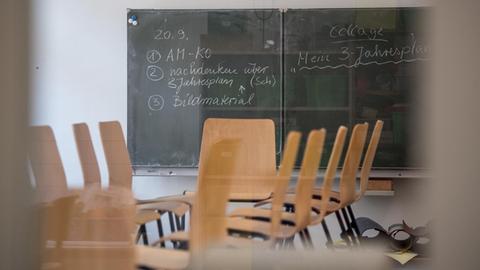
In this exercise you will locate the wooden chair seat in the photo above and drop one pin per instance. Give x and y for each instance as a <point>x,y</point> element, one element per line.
<point>145,216</point>
<point>317,192</point>
<point>286,216</point>
<point>178,236</point>
<point>250,226</point>
<point>186,198</point>
<point>189,197</point>
<point>249,196</point>
<point>156,258</point>
<point>249,212</point>
<point>230,241</point>
<point>334,194</point>
<point>241,242</point>
<point>331,206</point>
<point>290,201</point>
<point>178,208</point>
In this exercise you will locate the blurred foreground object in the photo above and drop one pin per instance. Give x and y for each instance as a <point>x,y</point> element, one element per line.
<point>18,220</point>
<point>454,128</point>
<point>90,229</point>
<point>287,260</point>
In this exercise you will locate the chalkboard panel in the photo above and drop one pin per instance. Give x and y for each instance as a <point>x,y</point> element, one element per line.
<point>185,66</point>
<point>345,66</point>
<point>304,69</point>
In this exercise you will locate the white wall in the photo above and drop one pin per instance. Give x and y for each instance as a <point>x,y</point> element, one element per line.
<point>79,72</point>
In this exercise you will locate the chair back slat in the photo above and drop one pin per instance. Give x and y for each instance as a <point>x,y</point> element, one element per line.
<point>116,154</point>
<point>331,170</point>
<point>308,175</point>
<point>369,157</point>
<point>46,163</point>
<point>87,156</point>
<point>351,164</point>
<point>283,178</point>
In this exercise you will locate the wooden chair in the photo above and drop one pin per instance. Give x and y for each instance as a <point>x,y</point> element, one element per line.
<point>208,220</point>
<point>92,178</point>
<point>301,200</point>
<point>366,165</point>
<point>273,230</point>
<point>270,231</point>
<point>120,173</point>
<point>51,187</point>
<point>364,174</point>
<point>257,161</point>
<point>326,205</point>
<point>46,164</point>
<point>347,182</point>
<point>348,176</point>
<point>87,156</point>
<point>299,220</point>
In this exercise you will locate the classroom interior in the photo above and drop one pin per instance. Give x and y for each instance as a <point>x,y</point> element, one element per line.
<point>239,135</point>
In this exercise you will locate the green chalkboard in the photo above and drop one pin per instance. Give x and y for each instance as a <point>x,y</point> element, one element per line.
<point>303,68</point>
<point>185,66</point>
<point>346,66</point>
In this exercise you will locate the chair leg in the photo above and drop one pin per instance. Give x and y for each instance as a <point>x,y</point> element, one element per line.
<point>354,221</point>
<point>183,222</point>
<point>143,233</point>
<point>172,223</point>
<point>343,234</point>
<point>349,226</point>
<point>327,235</point>
<point>303,240</point>
<point>160,231</point>
<point>309,238</point>
<point>285,243</point>
<point>178,223</point>
<point>291,243</point>
<point>139,234</point>
<point>278,244</point>
<point>288,243</point>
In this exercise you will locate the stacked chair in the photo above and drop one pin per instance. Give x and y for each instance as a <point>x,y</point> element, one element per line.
<point>364,177</point>
<point>256,221</point>
<point>247,154</point>
<point>339,202</point>
<point>120,175</point>
<point>237,164</point>
<point>301,218</point>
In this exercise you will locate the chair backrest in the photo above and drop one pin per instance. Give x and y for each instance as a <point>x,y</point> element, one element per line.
<point>116,154</point>
<point>331,170</point>
<point>208,217</point>
<point>307,177</point>
<point>47,167</point>
<point>351,164</point>
<point>87,156</point>
<point>256,160</point>
<point>369,157</point>
<point>282,179</point>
